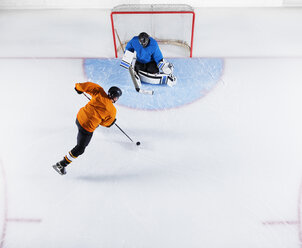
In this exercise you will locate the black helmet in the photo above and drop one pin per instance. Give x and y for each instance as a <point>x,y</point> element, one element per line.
<point>114,92</point>
<point>143,39</point>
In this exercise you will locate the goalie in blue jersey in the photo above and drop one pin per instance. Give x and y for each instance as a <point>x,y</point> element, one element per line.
<point>148,54</point>
<point>143,54</point>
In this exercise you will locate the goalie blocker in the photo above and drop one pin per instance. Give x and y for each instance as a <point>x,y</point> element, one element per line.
<point>165,75</point>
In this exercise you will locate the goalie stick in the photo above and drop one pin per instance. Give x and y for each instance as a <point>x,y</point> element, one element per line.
<point>147,92</point>
<point>135,78</point>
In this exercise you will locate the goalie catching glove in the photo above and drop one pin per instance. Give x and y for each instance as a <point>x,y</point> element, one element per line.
<point>165,67</point>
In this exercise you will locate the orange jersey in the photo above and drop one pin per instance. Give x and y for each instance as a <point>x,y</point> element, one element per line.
<point>100,109</point>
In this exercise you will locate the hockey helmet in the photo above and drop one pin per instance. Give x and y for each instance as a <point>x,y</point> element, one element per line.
<point>143,39</point>
<point>114,92</point>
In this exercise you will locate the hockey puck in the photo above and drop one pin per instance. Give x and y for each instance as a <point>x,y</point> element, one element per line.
<point>138,143</point>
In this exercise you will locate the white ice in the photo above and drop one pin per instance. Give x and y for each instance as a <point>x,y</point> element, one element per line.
<point>223,172</point>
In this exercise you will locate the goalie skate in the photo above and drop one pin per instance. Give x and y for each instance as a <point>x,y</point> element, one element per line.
<point>171,80</point>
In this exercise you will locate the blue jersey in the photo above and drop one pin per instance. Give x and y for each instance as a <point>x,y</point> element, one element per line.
<point>145,54</point>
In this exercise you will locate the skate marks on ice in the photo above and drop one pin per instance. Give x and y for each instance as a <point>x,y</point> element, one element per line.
<point>195,78</point>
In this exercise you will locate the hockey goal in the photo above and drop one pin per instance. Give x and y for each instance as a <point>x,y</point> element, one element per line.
<point>171,25</point>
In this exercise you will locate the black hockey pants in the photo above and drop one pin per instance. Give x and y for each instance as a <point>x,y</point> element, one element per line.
<point>150,67</point>
<point>83,140</point>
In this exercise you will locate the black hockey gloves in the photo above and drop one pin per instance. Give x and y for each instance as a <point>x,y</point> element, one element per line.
<point>112,123</point>
<point>79,92</point>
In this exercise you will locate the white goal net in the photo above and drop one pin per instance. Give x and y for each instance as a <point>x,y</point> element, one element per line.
<point>171,25</point>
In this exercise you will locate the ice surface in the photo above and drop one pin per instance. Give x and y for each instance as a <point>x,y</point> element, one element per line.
<point>222,172</point>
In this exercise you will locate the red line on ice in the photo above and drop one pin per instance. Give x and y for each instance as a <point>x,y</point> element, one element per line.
<point>4,225</point>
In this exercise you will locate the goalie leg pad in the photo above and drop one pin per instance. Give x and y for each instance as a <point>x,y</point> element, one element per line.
<point>161,78</point>
<point>150,78</point>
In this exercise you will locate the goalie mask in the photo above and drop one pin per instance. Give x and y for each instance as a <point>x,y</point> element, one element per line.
<point>114,92</point>
<point>143,39</point>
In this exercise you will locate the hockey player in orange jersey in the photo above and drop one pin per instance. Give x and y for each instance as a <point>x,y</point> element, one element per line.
<point>98,111</point>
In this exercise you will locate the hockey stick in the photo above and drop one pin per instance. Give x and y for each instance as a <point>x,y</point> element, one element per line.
<point>137,143</point>
<point>123,131</point>
<point>86,96</point>
<point>136,85</point>
<point>146,92</point>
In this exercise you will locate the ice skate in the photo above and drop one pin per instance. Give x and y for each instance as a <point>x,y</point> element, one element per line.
<point>171,80</point>
<point>59,168</point>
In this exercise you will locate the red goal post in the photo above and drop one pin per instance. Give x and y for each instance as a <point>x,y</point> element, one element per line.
<point>168,24</point>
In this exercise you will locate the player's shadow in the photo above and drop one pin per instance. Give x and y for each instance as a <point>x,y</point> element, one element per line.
<point>107,178</point>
